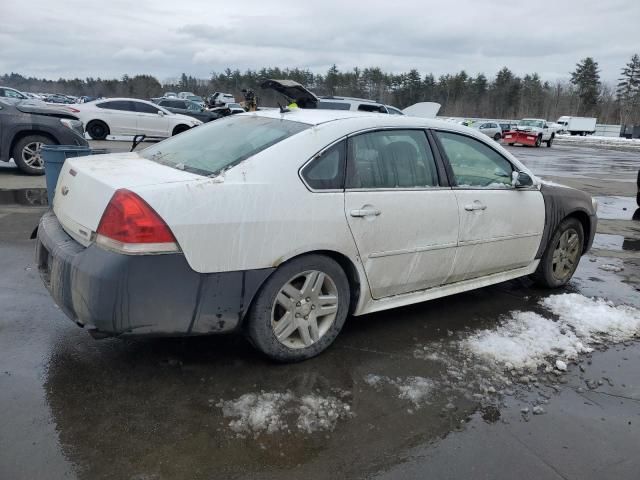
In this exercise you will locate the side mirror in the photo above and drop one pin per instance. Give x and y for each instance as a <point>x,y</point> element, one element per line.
<point>521,180</point>
<point>161,113</point>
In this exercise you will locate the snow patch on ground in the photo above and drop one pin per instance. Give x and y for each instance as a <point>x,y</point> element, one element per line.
<point>271,412</point>
<point>525,340</point>
<point>600,140</point>
<point>595,320</point>
<point>417,390</point>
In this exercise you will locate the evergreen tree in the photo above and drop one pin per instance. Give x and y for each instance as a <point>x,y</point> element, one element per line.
<point>586,78</point>
<point>628,91</point>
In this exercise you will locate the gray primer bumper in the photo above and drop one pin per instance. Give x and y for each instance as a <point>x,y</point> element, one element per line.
<point>114,294</point>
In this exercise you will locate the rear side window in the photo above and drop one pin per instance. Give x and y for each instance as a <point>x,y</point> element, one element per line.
<point>367,107</point>
<point>475,164</point>
<point>218,145</point>
<point>117,105</point>
<point>326,171</point>
<point>145,108</point>
<point>391,159</point>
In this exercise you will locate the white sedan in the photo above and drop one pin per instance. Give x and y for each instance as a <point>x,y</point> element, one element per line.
<point>280,225</point>
<point>128,116</point>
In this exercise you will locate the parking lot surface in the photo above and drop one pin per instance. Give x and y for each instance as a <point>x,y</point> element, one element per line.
<point>397,396</point>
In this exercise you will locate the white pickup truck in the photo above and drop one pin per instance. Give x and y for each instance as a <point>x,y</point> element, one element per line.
<point>578,125</point>
<point>531,131</point>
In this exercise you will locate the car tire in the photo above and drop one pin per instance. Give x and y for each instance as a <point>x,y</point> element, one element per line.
<point>550,141</point>
<point>497,137</point>
<point>97,130</point>
<point>26,153</point>
<point>179,129</point>
<point>511,144</point>
<point>285,297</point>
<point>538,141</point>
<point>562,255</point>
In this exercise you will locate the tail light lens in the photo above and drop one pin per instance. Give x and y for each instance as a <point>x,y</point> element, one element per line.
<point>129,225</point>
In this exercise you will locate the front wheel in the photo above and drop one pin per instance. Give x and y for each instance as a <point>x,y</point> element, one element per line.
<point>561,256</point>
<point>27,153</point>
<point>300,309</point>
<point>539,141</point>
<point>550,141</point>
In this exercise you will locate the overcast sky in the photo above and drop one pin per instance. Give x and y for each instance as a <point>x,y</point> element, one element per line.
<point>81,38</point>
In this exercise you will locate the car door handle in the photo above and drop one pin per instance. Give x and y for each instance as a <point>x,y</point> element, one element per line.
<point>475,206</point>
<point>365,212</point>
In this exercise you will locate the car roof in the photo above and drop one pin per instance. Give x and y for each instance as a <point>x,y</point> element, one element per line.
<point>319,116</point>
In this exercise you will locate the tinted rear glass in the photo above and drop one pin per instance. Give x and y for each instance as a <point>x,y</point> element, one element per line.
<point>211,148</point>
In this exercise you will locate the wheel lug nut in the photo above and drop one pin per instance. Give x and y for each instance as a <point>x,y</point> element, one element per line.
<point>306,317</point>
<point>308,299</point>
<point>298,304</point>
<point>313,307</point>
<point>297,315</point>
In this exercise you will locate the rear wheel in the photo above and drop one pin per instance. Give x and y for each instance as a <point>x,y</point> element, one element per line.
<point>97,129</point>
<point>511,144</point>
<point>27,153</point>
<point>562,255</point>
<point>497,137</point>
<point>300,309</point>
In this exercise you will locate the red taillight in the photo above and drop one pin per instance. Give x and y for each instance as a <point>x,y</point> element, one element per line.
<point>129,219</point>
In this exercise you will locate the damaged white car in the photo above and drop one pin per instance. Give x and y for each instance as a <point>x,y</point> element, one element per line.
<point>280,225</point>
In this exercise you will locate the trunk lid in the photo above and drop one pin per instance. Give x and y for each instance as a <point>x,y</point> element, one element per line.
<point>86,184</point>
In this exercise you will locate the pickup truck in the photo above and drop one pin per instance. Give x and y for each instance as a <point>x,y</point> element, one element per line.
<point>531,131</point>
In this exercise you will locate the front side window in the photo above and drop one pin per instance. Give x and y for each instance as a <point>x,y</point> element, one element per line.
<point>326,171</point>
<point>474,163</point>
<point>216,146</point>
<point>391,159</point>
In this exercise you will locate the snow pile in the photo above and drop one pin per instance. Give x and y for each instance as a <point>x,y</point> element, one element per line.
<point>271,412</point>
<point>600,140</point>
<point>524,341</point>
<point>595,320</point>
<point>415,389</point>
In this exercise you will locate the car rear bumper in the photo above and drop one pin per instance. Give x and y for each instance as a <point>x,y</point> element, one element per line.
<point>113,294</point>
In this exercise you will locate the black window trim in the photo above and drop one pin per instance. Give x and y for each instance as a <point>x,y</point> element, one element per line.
<point>449,169</point>
<point>316,155</point>
<point>443,183</point>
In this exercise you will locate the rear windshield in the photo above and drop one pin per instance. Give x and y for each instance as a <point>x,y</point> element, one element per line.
<point>215,146</point>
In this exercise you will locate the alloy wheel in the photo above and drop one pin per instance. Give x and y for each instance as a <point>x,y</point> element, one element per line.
<point>304,309</point>
<point>32,155</point>
<point>566,254</point>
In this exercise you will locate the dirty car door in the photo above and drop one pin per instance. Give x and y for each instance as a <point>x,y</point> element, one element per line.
<point>404,224</point>
<point>500,226</point>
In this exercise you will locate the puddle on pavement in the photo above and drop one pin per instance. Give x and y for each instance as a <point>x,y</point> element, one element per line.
<point>616,208</point>
<point>393,380</point>
<point>618,243</point>
<point>35,197</point>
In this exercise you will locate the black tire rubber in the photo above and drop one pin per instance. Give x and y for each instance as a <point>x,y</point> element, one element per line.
<point>511,144</point>
<point>550,141</point>
<point>19,146</point>
<point>497,137</point>
<point>97,129</point>
<point>543,275</point>
<point>538,141</point>
<point>258,327</point>
<point>179,129</point>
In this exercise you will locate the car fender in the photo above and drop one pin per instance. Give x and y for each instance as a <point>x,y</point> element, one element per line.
<point>15,131</point>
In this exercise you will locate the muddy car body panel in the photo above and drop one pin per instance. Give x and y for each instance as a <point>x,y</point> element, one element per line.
<point>402,204</point>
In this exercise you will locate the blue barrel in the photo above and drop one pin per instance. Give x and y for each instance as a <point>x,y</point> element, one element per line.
<point>54,157</point>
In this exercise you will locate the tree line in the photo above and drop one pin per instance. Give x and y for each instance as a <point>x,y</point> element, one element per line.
<point>505,95</point>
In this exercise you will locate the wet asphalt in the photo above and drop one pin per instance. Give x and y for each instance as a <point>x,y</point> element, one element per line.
<point>73,407</point>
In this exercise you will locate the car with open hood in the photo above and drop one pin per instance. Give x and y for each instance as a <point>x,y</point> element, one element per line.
<point>280,225</point>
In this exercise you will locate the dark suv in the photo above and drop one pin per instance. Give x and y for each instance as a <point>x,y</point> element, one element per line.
<point>25,127</point>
